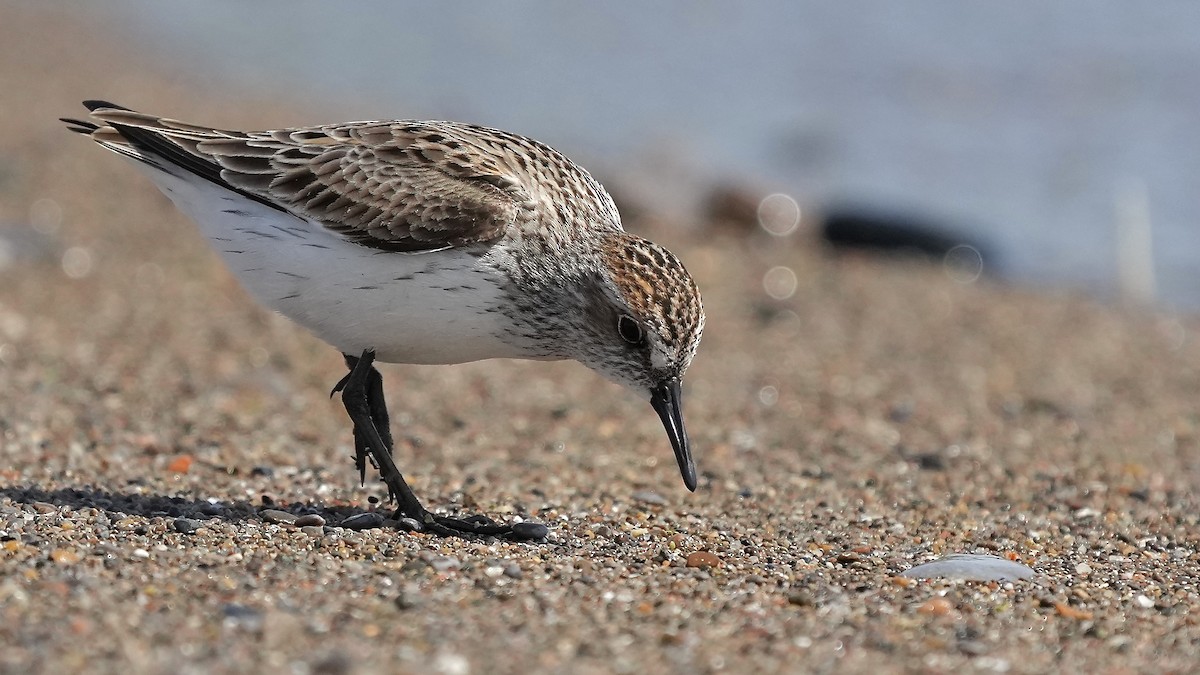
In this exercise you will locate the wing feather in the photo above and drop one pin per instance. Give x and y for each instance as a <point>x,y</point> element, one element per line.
<point>407,186</point>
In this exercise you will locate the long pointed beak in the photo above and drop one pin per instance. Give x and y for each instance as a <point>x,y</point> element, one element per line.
<point>667,402</point>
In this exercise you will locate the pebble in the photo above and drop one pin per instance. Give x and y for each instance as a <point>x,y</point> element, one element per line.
<point>801,599</point>
<point>309,520</point>
<point>649,497</point>
<point>69,557</point>
<point>407,524</point>
<point>43,507</point>
<point>187,525</point>
<point>936,607</point>
<point>530,531</point>
<point>971,567</point>
<point>242,617</point>
<point>972,647</point>
<point>408,599</point>
<point>1144,602</point>
<point>703,560</point>
<point>313,530</point>
<point>277,516</point>
<point>363,521</point>
<point>445,563</point>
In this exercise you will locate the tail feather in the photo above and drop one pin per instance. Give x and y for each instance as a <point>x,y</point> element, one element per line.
<point>156,141</point>
<point>79,126</point>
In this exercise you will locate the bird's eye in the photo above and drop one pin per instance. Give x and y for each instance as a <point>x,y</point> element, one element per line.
<point>630,331</point>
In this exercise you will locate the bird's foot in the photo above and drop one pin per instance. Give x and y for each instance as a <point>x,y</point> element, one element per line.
<point>476,525</point>
<point>362,394</point>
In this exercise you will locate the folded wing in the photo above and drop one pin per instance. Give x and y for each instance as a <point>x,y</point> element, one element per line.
<point>398,186</point>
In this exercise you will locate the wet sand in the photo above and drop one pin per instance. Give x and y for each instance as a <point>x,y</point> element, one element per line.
<point>881,416</point>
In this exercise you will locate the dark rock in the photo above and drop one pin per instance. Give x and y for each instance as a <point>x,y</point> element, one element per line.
<point>310,520</point>
<point>363,521</point>
<point>187,525</point>
<point>277,516</point>
<point>530,531</point>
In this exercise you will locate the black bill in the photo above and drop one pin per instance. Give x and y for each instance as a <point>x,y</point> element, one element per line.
<point>667,402</point>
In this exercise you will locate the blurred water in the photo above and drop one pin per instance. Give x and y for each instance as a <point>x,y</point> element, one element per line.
<point>1020,121</point>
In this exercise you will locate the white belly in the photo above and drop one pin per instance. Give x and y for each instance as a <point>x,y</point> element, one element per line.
<point>437,307</point>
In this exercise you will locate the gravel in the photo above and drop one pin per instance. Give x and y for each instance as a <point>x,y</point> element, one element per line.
<point>151,412</point>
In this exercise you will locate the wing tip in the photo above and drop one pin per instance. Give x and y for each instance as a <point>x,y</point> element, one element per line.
<point>85,126</point>
<point>96,104</point>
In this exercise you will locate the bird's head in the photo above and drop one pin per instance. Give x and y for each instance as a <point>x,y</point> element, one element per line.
<point>642,321</point>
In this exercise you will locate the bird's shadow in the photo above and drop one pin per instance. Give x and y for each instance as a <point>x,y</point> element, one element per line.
<point>123,504</point>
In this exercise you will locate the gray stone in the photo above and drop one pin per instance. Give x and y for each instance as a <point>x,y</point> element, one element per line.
<point>972,567</point>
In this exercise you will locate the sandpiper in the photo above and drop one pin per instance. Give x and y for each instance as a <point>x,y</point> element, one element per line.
<point>427,242</point>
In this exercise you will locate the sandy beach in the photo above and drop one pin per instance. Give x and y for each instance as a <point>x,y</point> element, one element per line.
<point>160,434</point>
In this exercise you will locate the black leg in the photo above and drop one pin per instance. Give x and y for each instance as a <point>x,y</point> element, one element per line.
<point>367,438</point>
<point>379,415</point>
<point>362,394</point>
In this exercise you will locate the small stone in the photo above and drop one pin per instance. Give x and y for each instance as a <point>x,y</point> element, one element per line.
<point>43,507</point>
<point>649,497</point>
<point>513,571</point>
<point>408,599</point>
<point>445,563</point>
<point>1144,602</point>
<point>972,567</point>
<point>407,524</point>
<point>1120,643</point>
<point>242,617</point>
<point>530,531</point>
<point>277,516</point>
<point>972,647</point>
<point>337,663</point>
<point>313,530</point>
<point>931,461</point>
<point>450,663</point>
<point>141,553</point>
<point>66,556</point>
<point>936,607</point>
<point>801,599</point>
<point>1083,569</point>
<point>414,567</point>
<point>363,521</point>
<point>187,525</point>
<point>180,464</point>
<point>1070,612</point>
<point>703,560</point>
<point>309,520</point>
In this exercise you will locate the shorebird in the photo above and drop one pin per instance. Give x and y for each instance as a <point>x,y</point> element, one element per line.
<point>427,242</point>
